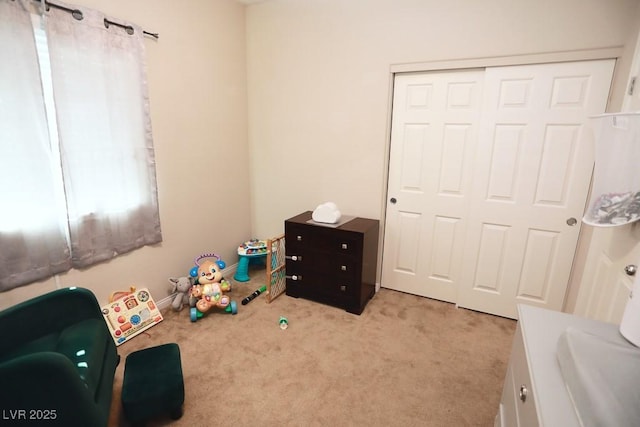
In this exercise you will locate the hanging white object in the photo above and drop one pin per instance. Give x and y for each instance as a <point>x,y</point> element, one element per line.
<point>327,213</point>
<point>615,196</point>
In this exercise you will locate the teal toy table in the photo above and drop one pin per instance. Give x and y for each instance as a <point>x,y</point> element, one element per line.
<point>250,252</point>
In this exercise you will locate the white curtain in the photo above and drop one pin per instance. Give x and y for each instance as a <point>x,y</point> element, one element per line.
<point>96,186</point>
<point>102,106</point>
<point>32,237</point>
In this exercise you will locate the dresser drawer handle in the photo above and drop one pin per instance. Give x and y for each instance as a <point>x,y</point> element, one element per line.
<point>294,257</point>
<point>344,246</point>
<point>523,393</point>
<point>343,267</point>
<point>343,288</point>
<point>299,238</point>
<point>294,277</point>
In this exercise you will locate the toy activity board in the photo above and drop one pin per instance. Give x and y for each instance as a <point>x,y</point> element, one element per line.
<point>253,247</point>
<point>131,314</point>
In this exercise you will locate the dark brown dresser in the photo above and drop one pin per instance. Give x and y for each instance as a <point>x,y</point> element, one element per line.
<point>332,265</point>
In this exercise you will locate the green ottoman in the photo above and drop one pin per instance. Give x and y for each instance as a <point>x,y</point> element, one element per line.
<point>153,383</point>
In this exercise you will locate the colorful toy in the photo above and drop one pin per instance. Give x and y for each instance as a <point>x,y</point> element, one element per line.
<point>121,294</point>
<point>194,270</point>
<point>181,286</point>
<point>284,323</point>
<point>255,293</point>
<point>274,250</point>
<point>130,314</point>
<point>250,252</point>
<point>210,286</point>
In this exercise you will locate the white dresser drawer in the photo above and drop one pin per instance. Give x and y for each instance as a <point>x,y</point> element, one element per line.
<point>522,392</point>
<point>518,403</point>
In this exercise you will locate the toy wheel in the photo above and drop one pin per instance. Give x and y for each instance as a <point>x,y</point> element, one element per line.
<point>234,307</point>
<point>194,314</point>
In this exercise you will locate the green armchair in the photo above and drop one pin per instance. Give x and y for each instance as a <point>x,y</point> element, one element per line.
<point>57,360</point>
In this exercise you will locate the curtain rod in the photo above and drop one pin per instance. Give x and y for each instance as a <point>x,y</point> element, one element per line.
<point>77,14</point>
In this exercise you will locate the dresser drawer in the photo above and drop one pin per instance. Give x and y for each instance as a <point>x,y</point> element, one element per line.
<point>345,267</point>
<point>321,238</point>
<point>312,284</point>
<point>326,264</point>
<point>346,244</point>
<point>305,262</point>
<point>522,393</point>
<point>303,236</point>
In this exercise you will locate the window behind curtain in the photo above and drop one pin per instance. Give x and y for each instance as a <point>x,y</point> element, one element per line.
<point>77,179</point>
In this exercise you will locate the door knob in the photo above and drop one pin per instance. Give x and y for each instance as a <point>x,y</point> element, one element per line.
<point>393,200</point>
<point>523,393</point>
<point>572,221</point>
<point>631,269</point>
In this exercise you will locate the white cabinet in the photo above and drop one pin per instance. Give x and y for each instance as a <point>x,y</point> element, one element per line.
<point>518,404</point>
<point>534,392</point>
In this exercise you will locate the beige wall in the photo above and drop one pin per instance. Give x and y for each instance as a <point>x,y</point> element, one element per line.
<point>197,89</point>
<point>319,82</point>
<point>319,87</point>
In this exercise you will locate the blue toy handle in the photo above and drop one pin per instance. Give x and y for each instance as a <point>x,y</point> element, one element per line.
<point>194,271</point>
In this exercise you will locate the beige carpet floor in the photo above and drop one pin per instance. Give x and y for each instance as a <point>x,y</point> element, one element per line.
<point>406,361</point>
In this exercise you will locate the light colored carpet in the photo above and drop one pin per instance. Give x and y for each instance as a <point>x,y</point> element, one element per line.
<point>406,361</point>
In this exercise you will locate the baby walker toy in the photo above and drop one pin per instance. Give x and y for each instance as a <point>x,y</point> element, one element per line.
<point>210,286</point>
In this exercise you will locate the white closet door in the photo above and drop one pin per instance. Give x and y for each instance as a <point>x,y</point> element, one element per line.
<point>505,234</point>
<point>434,131</point>
<point>533,168</point>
